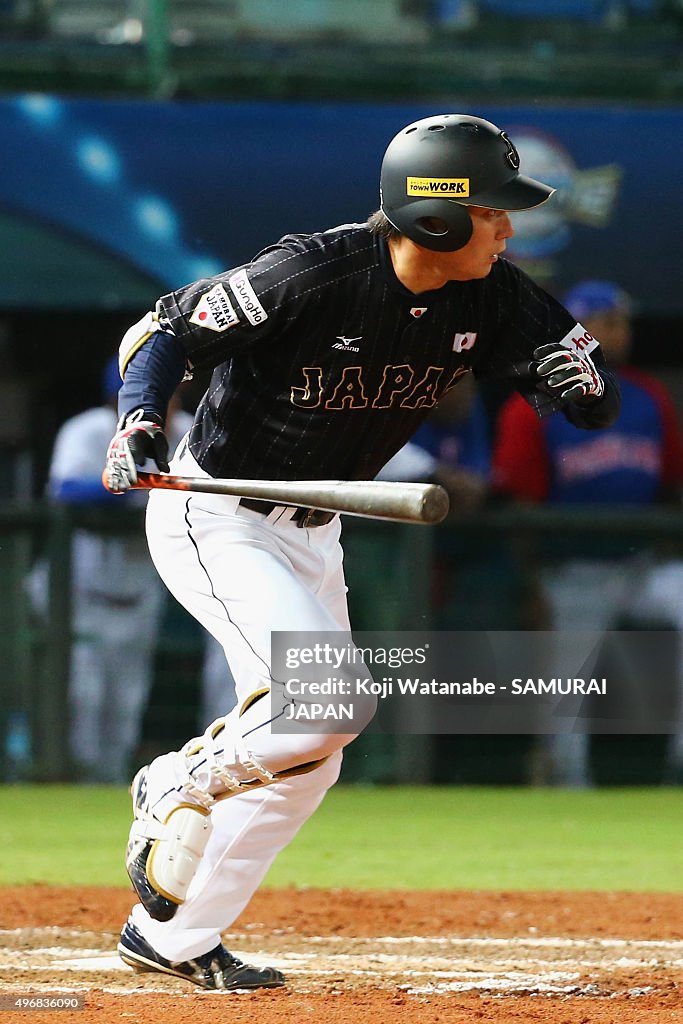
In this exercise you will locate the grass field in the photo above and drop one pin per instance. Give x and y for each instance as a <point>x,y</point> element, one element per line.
<point>384,837</point>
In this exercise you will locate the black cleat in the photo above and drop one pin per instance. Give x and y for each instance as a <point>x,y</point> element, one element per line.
<point>217,970</point>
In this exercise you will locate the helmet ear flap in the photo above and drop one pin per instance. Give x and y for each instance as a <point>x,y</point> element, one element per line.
<point>447,229</point>
<point>437,224</point>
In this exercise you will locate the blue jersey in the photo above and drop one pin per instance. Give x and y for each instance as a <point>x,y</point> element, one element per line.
<point>620,465</point>
<point>636,461</point>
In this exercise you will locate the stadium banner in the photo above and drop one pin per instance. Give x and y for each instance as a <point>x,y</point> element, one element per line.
<point>106,203</point>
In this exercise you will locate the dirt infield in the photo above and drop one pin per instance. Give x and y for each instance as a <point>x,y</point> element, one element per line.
<point>352,957</point>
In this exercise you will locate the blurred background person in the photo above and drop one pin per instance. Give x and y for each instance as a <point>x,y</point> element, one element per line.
<point>390,578</point>
<point>117,601</point>
<point>594,583</point>
<point>452,447</point>
<point>473,586</point>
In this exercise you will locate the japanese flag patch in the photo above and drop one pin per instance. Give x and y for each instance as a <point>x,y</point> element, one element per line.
<point>214,311</point>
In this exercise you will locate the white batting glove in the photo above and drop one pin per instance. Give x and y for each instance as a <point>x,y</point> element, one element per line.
<point>566,374</point>
<point>139,437</point>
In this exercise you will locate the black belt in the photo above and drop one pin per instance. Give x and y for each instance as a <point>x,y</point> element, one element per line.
<point>303,517</point>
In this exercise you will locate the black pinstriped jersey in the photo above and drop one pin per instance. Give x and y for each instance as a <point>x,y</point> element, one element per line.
<point>325,364</point>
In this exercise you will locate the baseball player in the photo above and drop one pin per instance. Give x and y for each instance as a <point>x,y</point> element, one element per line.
<point>328,350</point>
<point>593,582</point>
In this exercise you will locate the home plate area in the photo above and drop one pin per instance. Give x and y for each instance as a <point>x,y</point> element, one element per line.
<point>51,959</point>
<point>365,957</point>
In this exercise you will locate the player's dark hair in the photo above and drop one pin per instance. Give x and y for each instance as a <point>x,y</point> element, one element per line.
<point>380,226</point>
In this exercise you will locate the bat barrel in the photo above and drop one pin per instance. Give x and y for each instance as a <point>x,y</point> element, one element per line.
<point>374,499</point>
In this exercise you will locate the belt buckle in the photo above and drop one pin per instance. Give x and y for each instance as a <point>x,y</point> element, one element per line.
<point>314,517</point>
<point>307,519</point>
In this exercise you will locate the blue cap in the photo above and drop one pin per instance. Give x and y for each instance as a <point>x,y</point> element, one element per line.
<point>111,379</point>
<point>591,297</point>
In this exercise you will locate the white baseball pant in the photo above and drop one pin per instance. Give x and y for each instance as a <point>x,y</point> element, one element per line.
<point>242,575</point>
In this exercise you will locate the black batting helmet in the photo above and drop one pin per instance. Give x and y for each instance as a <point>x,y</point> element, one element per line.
<point>435,168</point>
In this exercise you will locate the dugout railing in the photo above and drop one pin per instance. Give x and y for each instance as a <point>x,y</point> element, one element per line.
<point>471,572</point>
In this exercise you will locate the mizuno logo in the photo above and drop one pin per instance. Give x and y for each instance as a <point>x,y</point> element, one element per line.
<point>345,345</point>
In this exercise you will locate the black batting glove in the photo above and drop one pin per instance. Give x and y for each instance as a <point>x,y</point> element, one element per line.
<point>566,374</point>
<point>140,436</point>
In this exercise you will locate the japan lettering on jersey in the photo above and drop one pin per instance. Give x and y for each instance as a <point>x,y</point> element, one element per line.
<point>400,386</point>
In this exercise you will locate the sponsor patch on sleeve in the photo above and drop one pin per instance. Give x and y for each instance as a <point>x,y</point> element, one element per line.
<point>214,311</point>
<point>246,296</point>
<point>579,340</point>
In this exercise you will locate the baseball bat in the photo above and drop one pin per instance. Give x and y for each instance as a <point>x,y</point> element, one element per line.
<point>371,499</point>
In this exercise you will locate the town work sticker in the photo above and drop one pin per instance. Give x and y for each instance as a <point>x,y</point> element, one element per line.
<point>459,187</point>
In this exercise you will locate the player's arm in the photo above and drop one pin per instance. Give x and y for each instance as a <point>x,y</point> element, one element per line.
<point>556,365</point>
<point>210,318</point>
<point>588,391</point>
<point>152,372</point>
<point>556,377</point>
